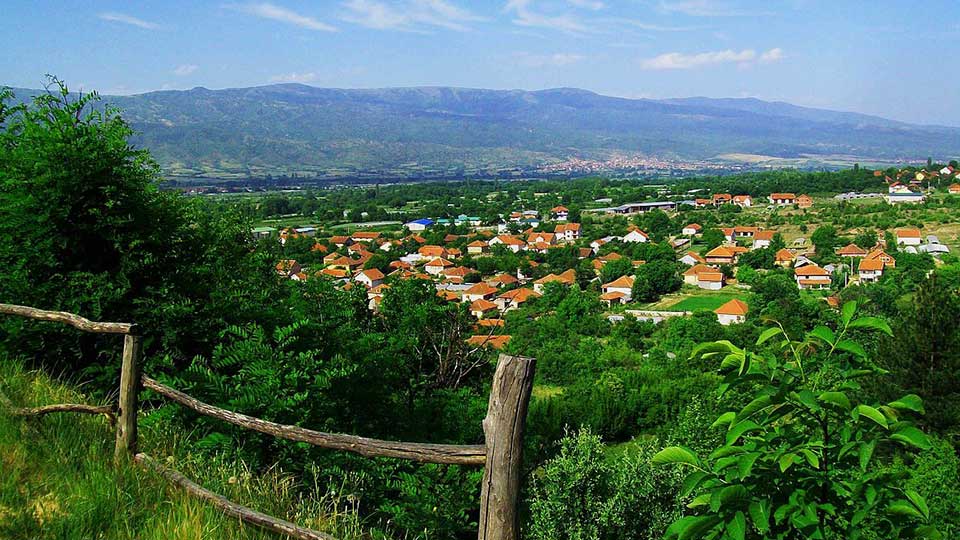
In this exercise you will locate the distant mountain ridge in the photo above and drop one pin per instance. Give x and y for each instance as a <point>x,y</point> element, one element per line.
<point>284,128</point>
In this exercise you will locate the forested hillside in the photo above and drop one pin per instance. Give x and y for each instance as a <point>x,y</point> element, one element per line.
<point>292,128</point>
<point>820,415</point>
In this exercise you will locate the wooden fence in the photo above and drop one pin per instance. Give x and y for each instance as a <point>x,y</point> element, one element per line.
<point>500,454</point>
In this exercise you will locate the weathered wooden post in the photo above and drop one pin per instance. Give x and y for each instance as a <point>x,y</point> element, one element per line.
<point>503,428</point>
<point>129,397</point>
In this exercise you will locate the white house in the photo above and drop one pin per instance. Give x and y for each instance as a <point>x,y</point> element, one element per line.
<point>710,280</point>
<point>618,291</point>
<point>690,258</point>
<point>419,225</point>
<point>870,270</point>
<point>743,201</point>
<point>636,235</point>
<point>909,237</point>
<point>783,199</point>
<point>734,311</point>
<point>692,229</point>
<point>369,278</point>
<point>568,232</point>
<point>812,276</point>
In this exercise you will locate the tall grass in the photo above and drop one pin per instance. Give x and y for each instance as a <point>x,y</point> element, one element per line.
<point>57,480</point>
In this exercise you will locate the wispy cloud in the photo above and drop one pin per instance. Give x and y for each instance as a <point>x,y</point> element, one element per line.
<point>595,5</point>
<point>413,16</point>
<point>641,25</point>
<point>266,10</point>
<point>128,19</point>
<point>185,69</point>
<point>294,77</point>
<point>676,60</point>
<point>707,8</point>
<point>525,15</point>
<point>547,60</point>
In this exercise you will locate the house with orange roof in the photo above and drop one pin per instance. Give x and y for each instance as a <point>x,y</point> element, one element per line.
<point>954,189</point>
<point>501,280</point>
<point>870,270</point>
<point>568,277</point>
<point>340,241</point>
<point>909,237</point>
<point>635,235</point>
<point>482,308</point>
<point>701,203</point>
<point>478,247</point>
<point>618,291</point>
<point>542,238</point>
<point>783,199</point>
<point>784,258</point>
<point>852,250</point>
<point>493,342</point>
<point>721,255</point>
<point>370,277</point>
<point>513,299</point>
<point>567,232</point>
<point>691,258</point>
<point>721,198</point>
<point>692,229</point>
<point>436,266</point>
<point>320,248</point>
<point>480,291</point>
<point>713,280</point>
<point>490,323</point>
<point>448,295</point>
<point>811,276</point>
<point>432,252</point>
<point>733,312</point>
<point>762,239</point>
<point>743,201</point>
<point>364,236</point>
<point>559,213</point>
<point>288,268</point>
<point>804,201</point>
<point>691,275</point>
<point>512,243</point>
<point>888,260</point>
<point>335,273</point>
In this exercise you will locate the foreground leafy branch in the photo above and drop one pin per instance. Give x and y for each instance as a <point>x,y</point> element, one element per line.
<point>799,459</point>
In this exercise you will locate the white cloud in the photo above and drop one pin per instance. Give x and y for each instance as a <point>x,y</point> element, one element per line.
<point>185,69</point>
<point>412,16</point>
<point>547,60</point>
<point>294,77</point>
<point>128,19</point>
<point>525,15</point>
<point>266,10</point>
<point>773,55</point>
<point>595,5</point>
<point>676,60</point>
<point>706,8</point>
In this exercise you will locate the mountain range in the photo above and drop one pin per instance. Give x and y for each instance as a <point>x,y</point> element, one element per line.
<point>293,128</point>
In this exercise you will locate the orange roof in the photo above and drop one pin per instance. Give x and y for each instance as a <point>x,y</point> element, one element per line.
<point>721,251</point>
<point>334,272</point>
<point>697,269</point>
<point>557,209</point>
<point>733,307</point>
<point>372,273</point>
<point>477,243</point>
<point>490,322</point>
<point>908,233</point>
<point>366,235</point>
<point>622,282</point>
<point>710,277</point>
<point>567,278</point>
<point>563,227</point>
<point>815,281</point>
<point>439,261</point>
<point>785,254</point>
<point>510,240</point>
<point>319,247</point>
<point>764,235</point>
<point>495,342</point>
<point>503,279</point>
<point>612,256</point>
<point>810,270</point>
<point>481,289</point>
<point>870,265</point>
<point>612,296</point>
<point>448,295</point>
<point>783,196</point>
<point>339,239</point>
<point>459,271</point>
<point>520,295</point>
<point>432,251</point>
<point>482,305</point>
<point>851,250</point>
<point>694,226</point>
<point>695,256</point>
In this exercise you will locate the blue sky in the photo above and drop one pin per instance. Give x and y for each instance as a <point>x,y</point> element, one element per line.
<point>890,58</point>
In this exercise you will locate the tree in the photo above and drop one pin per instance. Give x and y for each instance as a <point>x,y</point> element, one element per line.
<point>616,268</point>
<point>712,238</point>
<point>799,460</point>
<point>825,240</point>
<point>866,239</point>
<point>654,280</point>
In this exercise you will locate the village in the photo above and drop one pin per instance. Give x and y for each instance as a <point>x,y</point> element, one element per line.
<point>709,274</point>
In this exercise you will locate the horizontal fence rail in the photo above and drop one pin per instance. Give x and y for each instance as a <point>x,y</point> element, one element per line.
<point>500,454</point>
<point>75,321</point>
<point>422,452</point>
<point>229,507</point>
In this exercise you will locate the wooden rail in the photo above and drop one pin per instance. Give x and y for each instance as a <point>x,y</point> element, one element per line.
<point>105,410</point>
<point>427,453</point>
<point>75,321</point>
<point>500,454</point>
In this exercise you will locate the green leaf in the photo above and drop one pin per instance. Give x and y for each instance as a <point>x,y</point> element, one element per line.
<point>910,402</point>
<point>745,464</point>
<point>732,496</point>
<point>918,501</point>
<point>812,458</point>
<point>823,333</point>
<point>912,436</point>
<point>866,452</point>
<point>737,527</point>
<point>700,527</point>
<point>849,308</point>
<point>767,334</point>
<point>873,414</point>
<point>927,531</point>
<point>836,398</point>
<point>675,455</point>
<point>760,514</point>
<point>724,419</point>
<point>851,347</point>
<point>752,407</point>
<point>904,508</point>
<point>873,323</point>
<point>700,500</point>
<point>786,461</point>
<point>737,430</point>
<point>692,482</point>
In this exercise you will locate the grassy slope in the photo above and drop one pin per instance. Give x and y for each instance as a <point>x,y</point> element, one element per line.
<point>58,482</point>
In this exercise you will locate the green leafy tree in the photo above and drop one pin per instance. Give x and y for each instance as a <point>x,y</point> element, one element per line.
<point>800,459</point>
<point>655,279</point>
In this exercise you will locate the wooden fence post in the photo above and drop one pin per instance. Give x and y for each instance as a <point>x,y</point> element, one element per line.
<point>503,428</point>
<point>127,406</point>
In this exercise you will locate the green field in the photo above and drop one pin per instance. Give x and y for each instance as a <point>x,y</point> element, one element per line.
<point>697,303</point>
